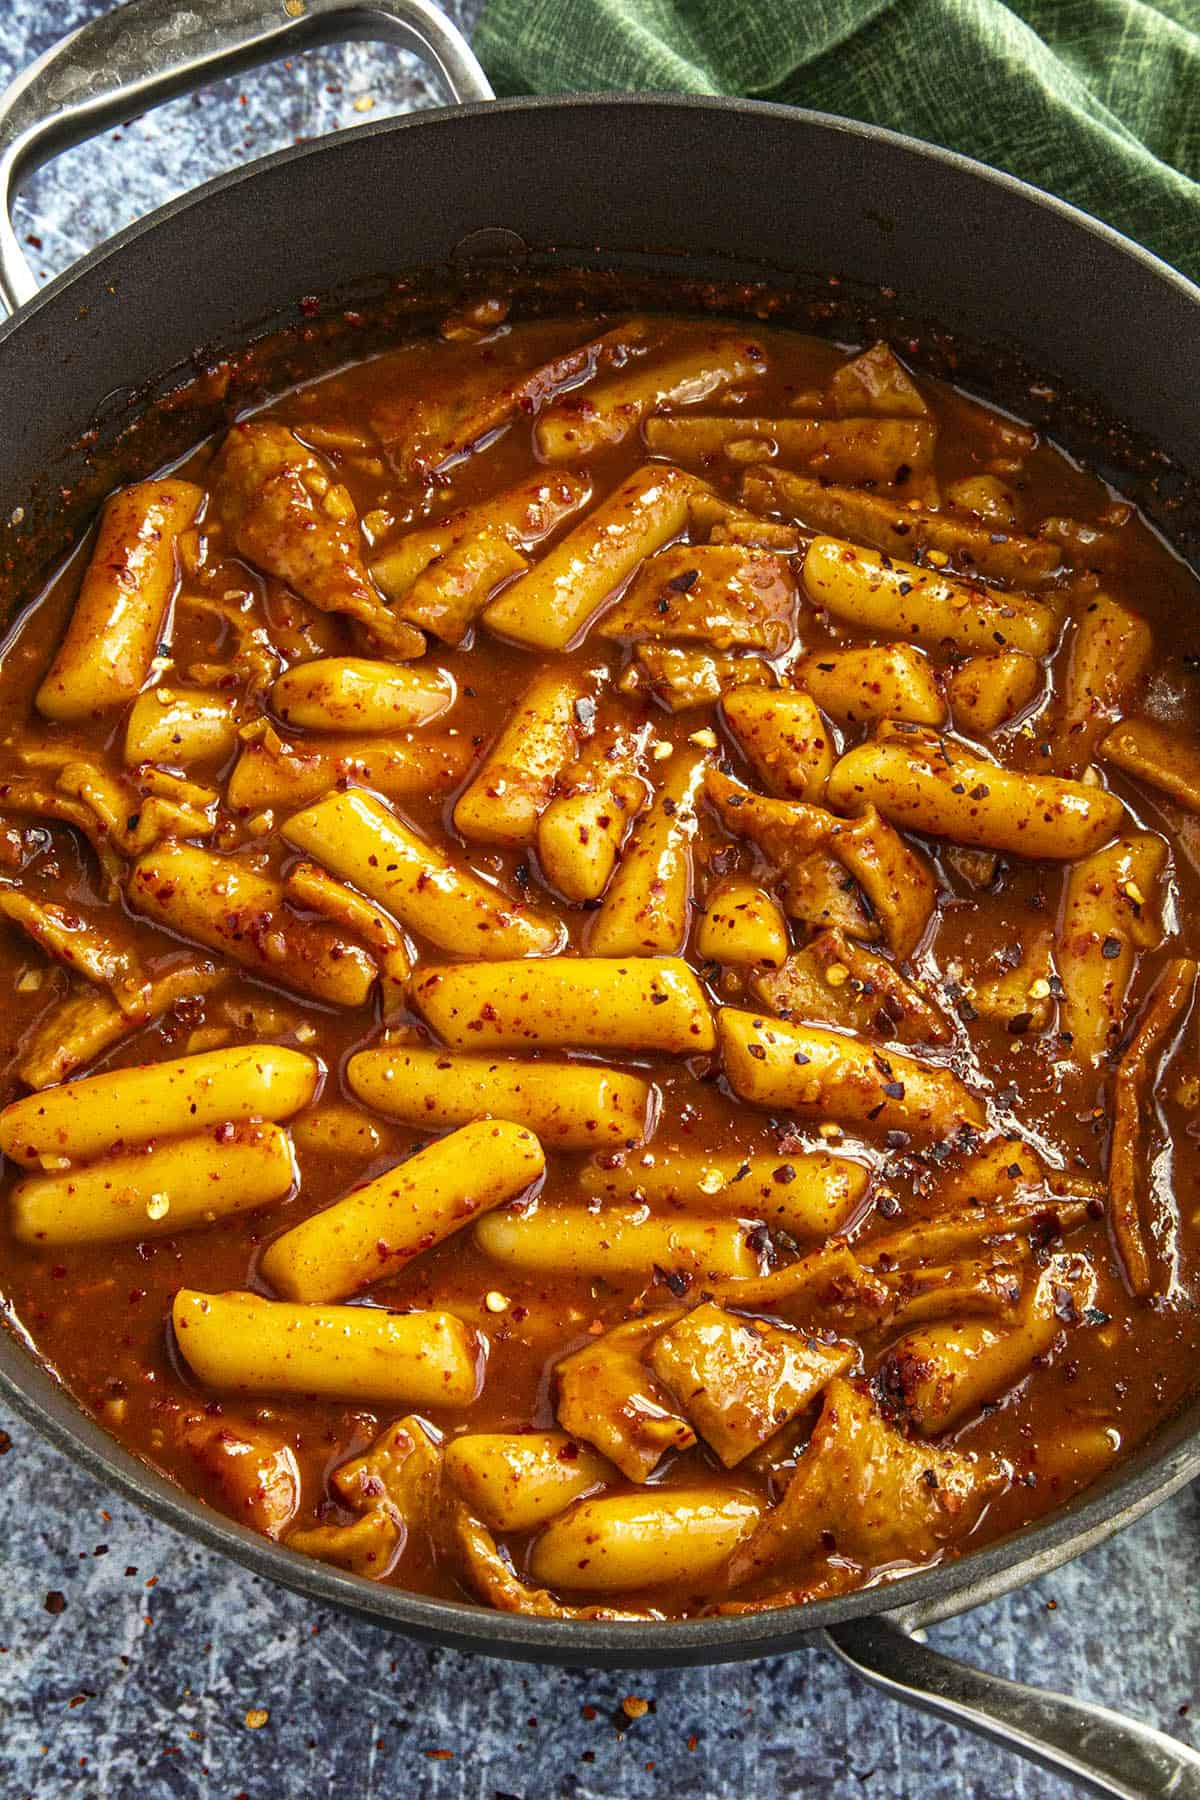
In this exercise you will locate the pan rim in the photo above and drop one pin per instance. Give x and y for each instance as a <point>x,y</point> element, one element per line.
<point>449,116</point>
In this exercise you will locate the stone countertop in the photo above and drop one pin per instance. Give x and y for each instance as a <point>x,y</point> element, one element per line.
<point>133,1663</point>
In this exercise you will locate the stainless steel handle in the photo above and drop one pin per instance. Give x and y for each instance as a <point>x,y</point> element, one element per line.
<point>1102,1751</point>
<point>147,51</point>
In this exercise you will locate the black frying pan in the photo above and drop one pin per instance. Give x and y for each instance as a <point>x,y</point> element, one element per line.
<point>660,188</point>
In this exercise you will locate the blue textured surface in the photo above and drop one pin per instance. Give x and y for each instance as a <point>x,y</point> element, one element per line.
<point>141,1685</point>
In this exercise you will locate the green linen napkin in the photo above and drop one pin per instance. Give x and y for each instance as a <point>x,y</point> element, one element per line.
<point>1095,100</point>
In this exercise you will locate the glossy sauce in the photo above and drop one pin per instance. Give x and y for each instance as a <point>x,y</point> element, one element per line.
<point>99,1313</point>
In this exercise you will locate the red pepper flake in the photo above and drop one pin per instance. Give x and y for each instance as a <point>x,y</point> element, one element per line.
<point>55,1601</point>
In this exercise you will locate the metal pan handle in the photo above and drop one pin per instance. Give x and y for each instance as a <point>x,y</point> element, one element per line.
<point>1100,1750</point>
<point>147,51</point>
